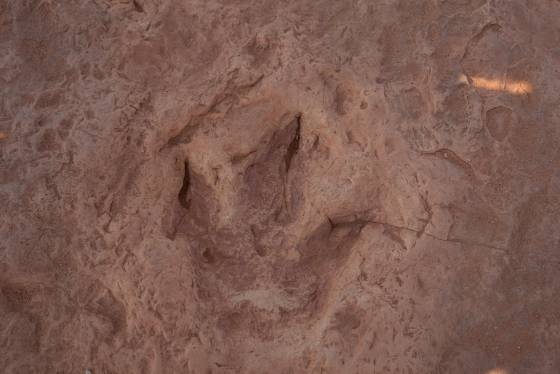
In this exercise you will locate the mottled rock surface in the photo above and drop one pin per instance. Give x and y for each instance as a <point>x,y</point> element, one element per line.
<point>272,186</point>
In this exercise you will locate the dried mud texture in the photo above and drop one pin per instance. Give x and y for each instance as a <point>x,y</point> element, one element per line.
<point>272,186</point>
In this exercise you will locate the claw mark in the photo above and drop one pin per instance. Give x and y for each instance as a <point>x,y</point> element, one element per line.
<point>291,151</point>
<point>294,144</point>
<point>195,122</point>
<point>332,225</point>
<point>237,158</point>
<point>354,223</point>
<point>184,200</point>
<point>137,6</point>
<point>429,211</point>
<point>393,234</point>
<point>258,248</point>
<point>184,191</point>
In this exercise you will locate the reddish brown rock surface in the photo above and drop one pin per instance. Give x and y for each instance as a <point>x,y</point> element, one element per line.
<point>279,186</point>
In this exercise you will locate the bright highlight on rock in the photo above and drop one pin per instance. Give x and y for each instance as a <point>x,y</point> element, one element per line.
<point>506,85</point>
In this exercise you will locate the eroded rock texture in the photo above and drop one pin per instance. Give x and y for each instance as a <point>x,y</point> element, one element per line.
<point>272,186</point>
